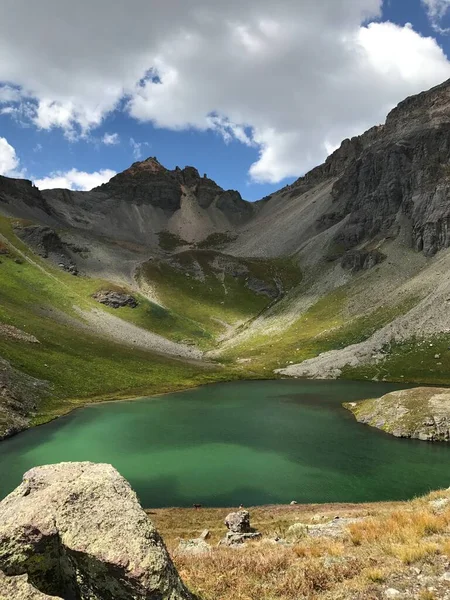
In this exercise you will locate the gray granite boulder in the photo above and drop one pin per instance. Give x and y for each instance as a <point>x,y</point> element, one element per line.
<point>78,532</point>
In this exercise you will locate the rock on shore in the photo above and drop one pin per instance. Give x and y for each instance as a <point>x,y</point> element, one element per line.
<point>76,530</point>
<point>422,413</point>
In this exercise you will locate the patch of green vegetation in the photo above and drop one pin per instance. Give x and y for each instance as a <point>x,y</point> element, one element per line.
<point>215,240</point>
<point>79,365</point>
<point>324,326</point>
<point>211,288</point>
<point>417,360</point>
<point>148,314</point>
<point>170,241</point>
<point>62,290</point>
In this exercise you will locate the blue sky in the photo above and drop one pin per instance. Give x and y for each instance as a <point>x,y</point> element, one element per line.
<point>253,94</point>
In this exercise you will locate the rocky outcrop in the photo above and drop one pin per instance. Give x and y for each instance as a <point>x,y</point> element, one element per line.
<point>47,243</point>
<point>361,260</point>
<point>19,198</point>
<point>115,299</point>
<point>239,529</point>
<point>149,182</point>
<point>20,396</point>
<point>78,532</point>
<point>422,413</point>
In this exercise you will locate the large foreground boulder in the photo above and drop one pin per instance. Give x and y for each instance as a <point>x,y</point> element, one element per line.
<point>78,532</point>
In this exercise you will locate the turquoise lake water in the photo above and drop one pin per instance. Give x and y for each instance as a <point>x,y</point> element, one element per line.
<point>252,442</point>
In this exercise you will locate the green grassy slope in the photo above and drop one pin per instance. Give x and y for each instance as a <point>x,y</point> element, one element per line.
<point>417,360</point>
<point>80,366</point>
<point>195,287</point>
<point>324,326</point>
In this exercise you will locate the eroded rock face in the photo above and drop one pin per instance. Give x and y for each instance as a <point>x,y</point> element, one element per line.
<point>360,260</point>
<point>77,530</point>
<point>46,243</point>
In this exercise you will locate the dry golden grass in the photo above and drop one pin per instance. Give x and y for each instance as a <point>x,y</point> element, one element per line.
<point>263,571</point>
<point>377,552</point>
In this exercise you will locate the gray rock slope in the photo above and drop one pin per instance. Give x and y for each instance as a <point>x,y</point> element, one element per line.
<point>76,531</point>
<point>392,181</point>
<point>134,205</point>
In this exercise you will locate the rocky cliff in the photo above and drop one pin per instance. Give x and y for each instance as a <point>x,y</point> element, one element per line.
<point>76,531</point>
<point>392,181</point>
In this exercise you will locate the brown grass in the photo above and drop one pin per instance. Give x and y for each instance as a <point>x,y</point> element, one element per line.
<point>375,553</point>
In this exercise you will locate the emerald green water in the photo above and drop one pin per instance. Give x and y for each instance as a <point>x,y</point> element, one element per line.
<point>248,442</point>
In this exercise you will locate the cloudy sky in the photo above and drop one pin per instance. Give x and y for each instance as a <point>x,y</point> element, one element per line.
<point>252,92</point>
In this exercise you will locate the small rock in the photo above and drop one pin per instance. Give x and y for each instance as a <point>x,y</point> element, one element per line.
<point>240,530</point>
<point>392,593</point>
<point>238,522</point>
<point>445,576</point>
<point>195,547</point>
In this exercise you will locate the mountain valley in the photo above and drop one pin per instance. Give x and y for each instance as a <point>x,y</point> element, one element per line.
<point>341,274</point>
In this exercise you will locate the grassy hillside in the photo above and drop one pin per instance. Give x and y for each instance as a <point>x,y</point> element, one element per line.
<point>213,289</point>
<point>81,366</point>
<point>324,326</point>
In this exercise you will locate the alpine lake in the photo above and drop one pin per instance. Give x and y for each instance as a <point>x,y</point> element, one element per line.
<point>250,443</point>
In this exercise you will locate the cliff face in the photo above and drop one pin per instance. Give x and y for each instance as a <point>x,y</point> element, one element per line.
<point>394,179</point>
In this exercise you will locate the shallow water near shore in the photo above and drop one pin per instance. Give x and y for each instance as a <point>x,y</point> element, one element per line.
<point>251,442</point>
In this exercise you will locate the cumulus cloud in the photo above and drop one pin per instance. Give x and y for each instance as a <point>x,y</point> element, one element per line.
<point>111,139</point>
<point>437,11</point>
<point>74,180</point>
<point>9,162</point>
<point>290,77</point>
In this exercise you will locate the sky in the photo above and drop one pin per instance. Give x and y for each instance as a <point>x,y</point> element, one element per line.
<point>254,93</point>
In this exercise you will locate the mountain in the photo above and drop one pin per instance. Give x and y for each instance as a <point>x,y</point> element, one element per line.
<point>341,274</point>
<point>135,205</point>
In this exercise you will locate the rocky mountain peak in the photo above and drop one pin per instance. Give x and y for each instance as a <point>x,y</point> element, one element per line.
<point>149,165</point>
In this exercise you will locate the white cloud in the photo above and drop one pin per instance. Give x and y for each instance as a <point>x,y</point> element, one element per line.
<point>9,162</point>
<point>291,77</point>
<point>437,11</point>
<point>137,148</point>
<point>74,180</point>
<point>111,139</point>
<point>9,94</point>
